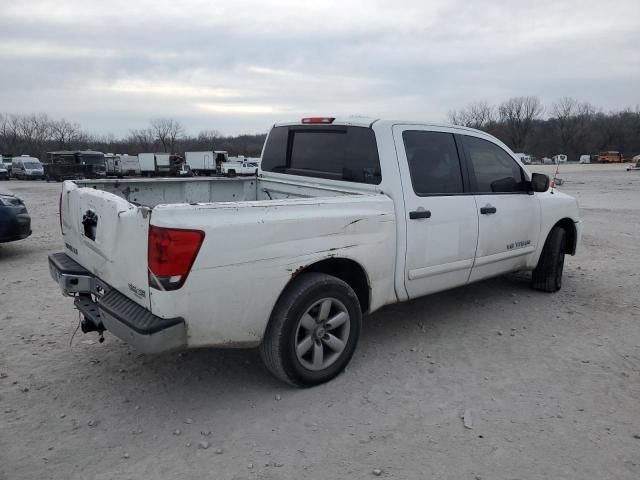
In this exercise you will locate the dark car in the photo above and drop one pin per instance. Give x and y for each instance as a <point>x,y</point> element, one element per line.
<point>15,222</point>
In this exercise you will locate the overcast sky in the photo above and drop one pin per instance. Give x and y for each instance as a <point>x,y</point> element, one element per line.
<point>238,66</point>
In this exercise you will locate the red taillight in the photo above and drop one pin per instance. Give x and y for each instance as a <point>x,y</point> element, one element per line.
<point>325,120</point>
<point>171,254</point>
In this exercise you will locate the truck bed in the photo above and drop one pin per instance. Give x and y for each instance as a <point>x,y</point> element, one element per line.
<point>153,192</point>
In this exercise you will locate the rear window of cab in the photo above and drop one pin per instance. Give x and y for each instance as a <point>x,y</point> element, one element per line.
<point>333,152</point>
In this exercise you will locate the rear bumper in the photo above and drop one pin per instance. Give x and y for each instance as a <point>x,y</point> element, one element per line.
<point>108,309</point>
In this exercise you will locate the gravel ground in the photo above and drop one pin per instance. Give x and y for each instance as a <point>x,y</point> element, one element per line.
<point>548,383</point>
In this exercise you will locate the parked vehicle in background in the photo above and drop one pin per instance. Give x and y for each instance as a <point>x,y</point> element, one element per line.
<point>344,217</point>
<point>524,158</point>
<point>238,167</point>
<point>26,167</point>
<point>129,165</point>
<point>220,156</point>
<point>611,156</point>
<point>122,165</point>
<point>636,163</point>
<point>5,162</point>
<point>163,164</point>
<point>111,164</point>
<point>15,222</point>
<point>585,159</point>
<point>147,164</point>
<point>159,164</point>
<point>201,163</point>
<point>547,160</point>
<point>559,158</point>
<point>182,170</point>
<point>5,172</point>
<point>74,164</point>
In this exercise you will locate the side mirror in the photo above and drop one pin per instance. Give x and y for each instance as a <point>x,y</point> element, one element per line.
<point>539,182</point>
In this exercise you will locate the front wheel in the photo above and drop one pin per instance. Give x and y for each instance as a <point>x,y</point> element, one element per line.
<point>313,330</point>
<point>547,275</point>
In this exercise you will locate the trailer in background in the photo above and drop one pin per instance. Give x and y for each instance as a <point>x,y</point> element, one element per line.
<point>159,164</point>
<point>163,164</point>
<point>524,158</point>
<point>201,163</point>
<point>129,165</point>
<point>560,158</point>
<point>147,164</point>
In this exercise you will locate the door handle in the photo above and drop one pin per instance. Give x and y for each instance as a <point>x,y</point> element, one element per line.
<point>488,209</point>
<point>416,214</point>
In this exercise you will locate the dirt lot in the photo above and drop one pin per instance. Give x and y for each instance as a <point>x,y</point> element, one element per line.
<point>551,382</point>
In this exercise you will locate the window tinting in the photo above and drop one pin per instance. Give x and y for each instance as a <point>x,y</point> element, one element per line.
<point>338,153</point>
<point>495,171</point>
<point>433,162</point>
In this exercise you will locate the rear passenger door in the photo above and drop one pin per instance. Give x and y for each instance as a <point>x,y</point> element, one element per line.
<point>442,221</point>
<point>509,216</point>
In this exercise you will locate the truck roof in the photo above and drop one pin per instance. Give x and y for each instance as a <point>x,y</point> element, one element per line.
<point>357,121</point>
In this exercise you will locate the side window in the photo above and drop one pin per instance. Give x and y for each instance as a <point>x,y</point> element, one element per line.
<point>433,162</point>
<point>495,171</point>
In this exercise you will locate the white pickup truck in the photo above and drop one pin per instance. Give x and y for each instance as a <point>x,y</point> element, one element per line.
<point>343,218</point>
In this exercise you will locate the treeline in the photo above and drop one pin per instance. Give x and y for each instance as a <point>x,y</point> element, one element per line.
<point>567,126</point>
<point>37,134</point>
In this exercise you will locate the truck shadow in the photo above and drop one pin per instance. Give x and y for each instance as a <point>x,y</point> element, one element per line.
<point>217,373</point>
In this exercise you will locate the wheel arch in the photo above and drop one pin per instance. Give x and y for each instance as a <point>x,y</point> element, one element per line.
<point>571,234</point>
<point>347,270</point>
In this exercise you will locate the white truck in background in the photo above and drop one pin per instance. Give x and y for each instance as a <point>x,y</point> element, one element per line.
<point>345,216</point>
<point>238,166</point>
<point>561,158</point>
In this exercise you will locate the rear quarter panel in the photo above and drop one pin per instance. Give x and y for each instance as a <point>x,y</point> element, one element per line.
<point>252,250</point>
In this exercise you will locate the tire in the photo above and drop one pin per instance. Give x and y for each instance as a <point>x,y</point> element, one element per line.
<point>547,276</point>
<point>303,304</point>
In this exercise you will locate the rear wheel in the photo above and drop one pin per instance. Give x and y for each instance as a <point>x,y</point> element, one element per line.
<point>547,276</point>
<point>313,330</point>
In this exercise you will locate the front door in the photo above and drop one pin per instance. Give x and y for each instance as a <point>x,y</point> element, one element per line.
<point>442,222</point>
<point>509,216</point>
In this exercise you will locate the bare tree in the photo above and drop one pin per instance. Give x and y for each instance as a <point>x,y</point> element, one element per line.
<point>476,115</point>
<point>65,133</point>
<point>573,119</point>
<point>518,114</point>
<point>209,136</point>
<point>167,131</point>
<point>143,139</point>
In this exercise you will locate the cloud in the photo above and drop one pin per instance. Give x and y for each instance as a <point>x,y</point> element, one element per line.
<point>239,66</point>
